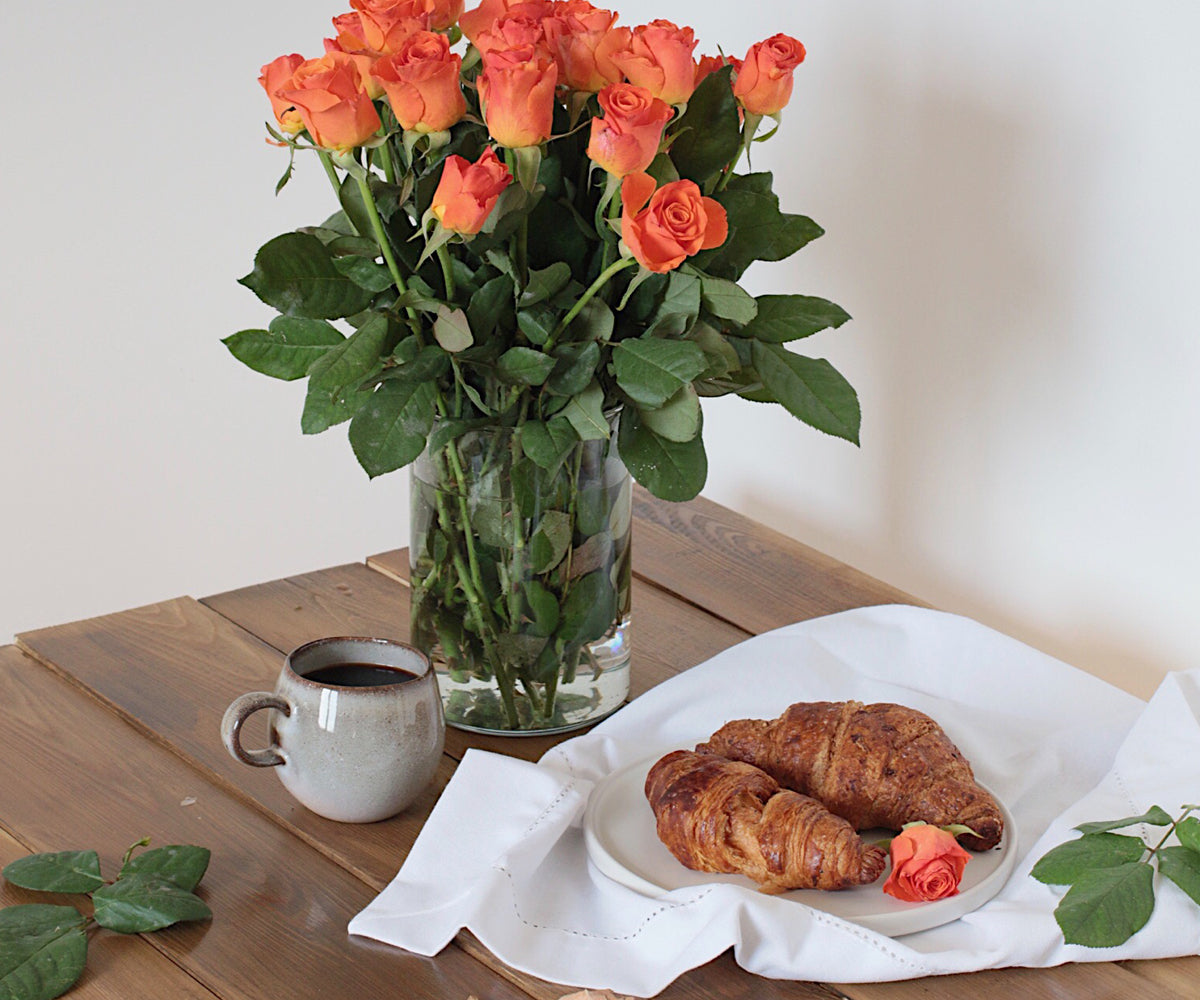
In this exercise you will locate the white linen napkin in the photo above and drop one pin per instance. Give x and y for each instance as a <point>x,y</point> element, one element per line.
<point>503,852</point>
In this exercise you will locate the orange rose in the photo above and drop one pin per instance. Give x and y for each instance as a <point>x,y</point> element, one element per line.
<point>278,74</point>
<point>475,22</point>
<point>659,58</point>
<point>330,98</point>
<point>707,65</point>
<point>379,27</point>
<point>677,223</point>
<point>626,139</point>
<point>441,13</point>
<point>764,80</point>
<point>421,82</point>
<point>512,31</point>
<point>583,43</point>
<point>468,192</point>
<point>927,864</point>
<point>516,89</point>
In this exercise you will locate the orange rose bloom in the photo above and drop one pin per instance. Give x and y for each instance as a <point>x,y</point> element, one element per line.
<point>583,43</point>
<point>659,58</point>
<point>707,65</point>
<point>764,80</point>
<point>475,22</point>
<point>677,223</point>
<point>468,192</point>
<point>378,27</point>
<point>626,140</point>
<point>275,75</point>
<point>330,98</point>
<point>516,89</point>
<point>512,31</point>
<point>440,13</point>
<point>421,82</point>
<point>927,864</point>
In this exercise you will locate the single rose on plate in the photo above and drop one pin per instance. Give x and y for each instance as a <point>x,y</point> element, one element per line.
<point>927,864</point>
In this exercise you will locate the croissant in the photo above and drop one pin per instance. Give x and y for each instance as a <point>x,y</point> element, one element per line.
<point>718,815</point>
<point>875,765</point>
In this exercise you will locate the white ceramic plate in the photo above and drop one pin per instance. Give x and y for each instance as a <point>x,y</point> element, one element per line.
<point>619,830</point>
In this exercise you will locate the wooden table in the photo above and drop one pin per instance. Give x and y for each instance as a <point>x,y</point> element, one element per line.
<point>110,733</point>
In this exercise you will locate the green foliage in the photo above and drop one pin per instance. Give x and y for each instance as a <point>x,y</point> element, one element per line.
<point>43,948</point>
<point>1111,876</point>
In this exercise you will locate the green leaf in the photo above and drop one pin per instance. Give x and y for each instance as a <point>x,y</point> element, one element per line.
<point>389,431</point>
<point>668,469</point>
<point>547,443</point>
<point>182,865</point>
<point>1182,866</point>
<point>651,371</point>
<point>548,544</point>
<point>546,283</point>
<point>524,366</point>
<point>544,606</point>
<point>489,305</point>
<point>335,377</point>
<point>452,330</point>
<point>574,367</point>
<point>364,272</point>
<point>1067,862</point>
<point>537,322</point>
<point>61,871</point>
<point>720,358</point>
<point>679,307</point>
<point>810,389</point>
<point>782,318</point>
<point>1107,906</point>
<point>416,364</point>
<point>757,231</point>
<point>143,902</point>
<point>595,321</point>
<point>1188,833</point>
<point>1155,816</point>
<point>709,133</point>
<point>295,274</point>
<point>43,950</point>
<point>286,349</point>
<point>589,609</point>
<point>678,419</point>
<point>727,300</point>
<point>586,413</point>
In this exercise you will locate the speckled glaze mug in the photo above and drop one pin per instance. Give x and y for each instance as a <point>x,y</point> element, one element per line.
<point>356,728</point>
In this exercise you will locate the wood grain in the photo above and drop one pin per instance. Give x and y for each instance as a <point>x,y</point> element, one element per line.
<point>742,571</point>
<point>280,908</point>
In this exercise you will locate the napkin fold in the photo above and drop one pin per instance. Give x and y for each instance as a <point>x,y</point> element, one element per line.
<point>503,852</point>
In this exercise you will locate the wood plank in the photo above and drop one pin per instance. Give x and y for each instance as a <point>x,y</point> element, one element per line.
<point>1081,981</point>
<point>280,908</point>
<point>1180,975</point>
<point>119,966</point>
<point>742,571</point>
<point>172,669</point>
<point>668,635</point>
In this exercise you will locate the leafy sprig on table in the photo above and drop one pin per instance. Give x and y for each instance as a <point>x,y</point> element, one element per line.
<point>1111,875</point>
<point>43,947</point>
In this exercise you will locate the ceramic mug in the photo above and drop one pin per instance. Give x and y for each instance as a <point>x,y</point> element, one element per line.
<point>356,729</point>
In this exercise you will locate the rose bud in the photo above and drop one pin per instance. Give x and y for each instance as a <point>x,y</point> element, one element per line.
<point>467,192</point>
<point>583,43</point>
<point>927,864</point>
<point>278,74</point>
<point>627,138</point>
<point>707,65</point>
<point>659,58</point>
<point>422,85</point>
<point>516,89</point>
<point>677,223</point>
<point>330,98</point>
<point>764,80</point>
<point>474,22</point>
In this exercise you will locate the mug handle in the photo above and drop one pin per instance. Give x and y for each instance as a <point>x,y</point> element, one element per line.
<point>231,727</point>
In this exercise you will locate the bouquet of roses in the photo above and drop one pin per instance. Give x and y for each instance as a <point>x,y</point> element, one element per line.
<point>534,264</point>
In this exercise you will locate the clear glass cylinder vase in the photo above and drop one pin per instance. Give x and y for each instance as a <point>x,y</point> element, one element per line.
<point>520,568</point>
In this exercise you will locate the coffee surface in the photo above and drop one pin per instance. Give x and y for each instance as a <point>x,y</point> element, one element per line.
<point>360,675</point>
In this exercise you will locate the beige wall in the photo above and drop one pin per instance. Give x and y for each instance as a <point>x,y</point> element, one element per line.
<point>1012,213</point>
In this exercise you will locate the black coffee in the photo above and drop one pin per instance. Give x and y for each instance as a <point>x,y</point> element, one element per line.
<point>360,675</point>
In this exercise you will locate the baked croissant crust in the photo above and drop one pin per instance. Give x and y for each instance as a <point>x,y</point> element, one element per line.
<point>877,765</point>
<point>718,815</point>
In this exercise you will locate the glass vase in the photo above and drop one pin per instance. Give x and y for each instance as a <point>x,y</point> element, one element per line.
<point>520,570</point>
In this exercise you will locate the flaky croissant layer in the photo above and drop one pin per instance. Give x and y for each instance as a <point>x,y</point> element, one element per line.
<point>719,815</point>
